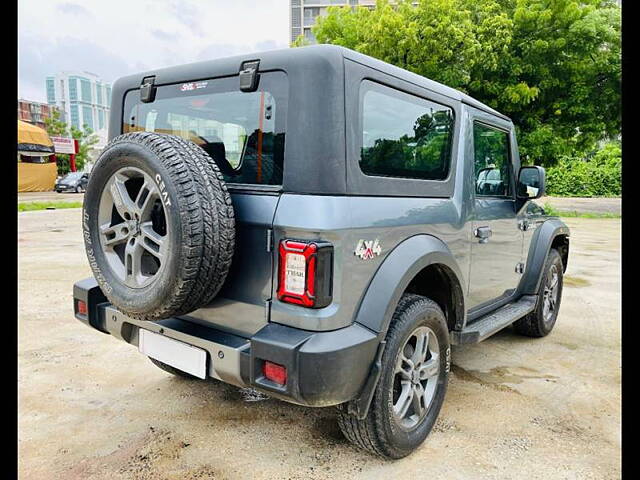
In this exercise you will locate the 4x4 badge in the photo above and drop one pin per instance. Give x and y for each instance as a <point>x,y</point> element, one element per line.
<point>368,248</point>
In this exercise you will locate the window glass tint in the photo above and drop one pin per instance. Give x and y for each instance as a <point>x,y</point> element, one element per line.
<point>491,159</point>
<point>403,135</point>
<point>242,131</point>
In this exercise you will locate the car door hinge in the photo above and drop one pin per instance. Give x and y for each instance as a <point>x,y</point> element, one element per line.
<point>267,310</point>
<point>520,267</point>
<point>523,225</point>
<point>269,240</point>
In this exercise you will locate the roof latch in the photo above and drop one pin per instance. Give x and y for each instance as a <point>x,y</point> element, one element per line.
<point>148,89</point>
<point>249,76</point>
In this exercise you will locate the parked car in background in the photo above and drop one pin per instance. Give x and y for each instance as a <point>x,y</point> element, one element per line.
<point>72,182</point>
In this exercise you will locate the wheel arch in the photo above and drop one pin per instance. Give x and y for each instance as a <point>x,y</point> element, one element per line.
<point>421,264</point>
<point>553,233</point>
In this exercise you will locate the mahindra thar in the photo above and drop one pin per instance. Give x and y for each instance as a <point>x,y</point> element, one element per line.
<point>320,226</point>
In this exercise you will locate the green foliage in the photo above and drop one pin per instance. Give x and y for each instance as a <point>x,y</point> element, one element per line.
<point>553,66</point>
<point>86,140</point>
<point>600,175</point>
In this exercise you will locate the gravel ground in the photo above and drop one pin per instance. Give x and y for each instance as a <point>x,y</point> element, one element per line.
<point>90,407</point>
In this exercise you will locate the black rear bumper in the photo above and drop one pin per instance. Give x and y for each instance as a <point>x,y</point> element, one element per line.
<point>323,368</point>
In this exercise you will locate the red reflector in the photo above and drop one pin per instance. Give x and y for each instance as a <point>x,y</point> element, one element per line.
<point>82,307</point>
<point>274,372</point>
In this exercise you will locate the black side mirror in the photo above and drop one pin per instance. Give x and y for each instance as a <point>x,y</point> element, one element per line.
<point>531,182</point>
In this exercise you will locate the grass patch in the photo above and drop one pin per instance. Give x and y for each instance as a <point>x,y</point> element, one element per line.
<point>549,210</point>
<point>32,206</point>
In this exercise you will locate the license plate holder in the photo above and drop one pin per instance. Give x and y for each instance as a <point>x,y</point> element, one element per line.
<point>180,355</point>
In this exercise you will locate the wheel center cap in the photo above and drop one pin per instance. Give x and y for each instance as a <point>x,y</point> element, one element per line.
<point>415,377</point>
<point>134,227</point>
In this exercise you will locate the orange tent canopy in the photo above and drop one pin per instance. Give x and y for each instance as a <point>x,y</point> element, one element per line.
<point>33,139</point>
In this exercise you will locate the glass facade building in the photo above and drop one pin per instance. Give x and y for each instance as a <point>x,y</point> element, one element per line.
<point>303,14</point>
<point>83,99</point>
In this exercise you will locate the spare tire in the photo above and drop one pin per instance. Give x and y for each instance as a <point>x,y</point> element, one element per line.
<point>158,225</point>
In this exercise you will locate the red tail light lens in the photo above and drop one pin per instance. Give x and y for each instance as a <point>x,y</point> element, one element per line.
<point>82,307</point>
<point>274,372</point>
<point>305,271</point>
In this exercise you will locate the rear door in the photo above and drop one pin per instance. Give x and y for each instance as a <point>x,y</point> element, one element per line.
<point>496,248</point>
<point>244,133</point>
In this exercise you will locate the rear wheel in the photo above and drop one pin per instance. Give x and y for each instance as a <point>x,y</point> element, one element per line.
<point>412,385</point>
<point>541,321</point>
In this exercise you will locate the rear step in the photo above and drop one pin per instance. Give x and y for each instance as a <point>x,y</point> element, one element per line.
<point>495,321</point>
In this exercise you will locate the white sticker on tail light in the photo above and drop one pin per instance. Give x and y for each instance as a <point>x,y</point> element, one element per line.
<point>295,273</point>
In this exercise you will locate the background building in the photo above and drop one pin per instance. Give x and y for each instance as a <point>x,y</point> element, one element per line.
<point>34,112</point>
<point>83,99</point>
<point>303,14</point>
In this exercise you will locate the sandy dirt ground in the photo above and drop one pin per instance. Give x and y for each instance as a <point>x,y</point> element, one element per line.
<point>91,407</point>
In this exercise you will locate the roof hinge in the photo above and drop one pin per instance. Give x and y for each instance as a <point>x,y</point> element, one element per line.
<point>148,89</point>
<point>249,76</point>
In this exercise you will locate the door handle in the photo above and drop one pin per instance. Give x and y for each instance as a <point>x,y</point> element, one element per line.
<point>483,233</point>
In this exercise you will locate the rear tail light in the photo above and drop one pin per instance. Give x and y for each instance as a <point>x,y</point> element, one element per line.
<point>274,372</point>
<point>305,273</point>
<point>82,307</point>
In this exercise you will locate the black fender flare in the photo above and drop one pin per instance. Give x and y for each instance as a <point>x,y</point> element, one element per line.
<point>541,242</point>
<point>380,299</point>
<point>395,273</point>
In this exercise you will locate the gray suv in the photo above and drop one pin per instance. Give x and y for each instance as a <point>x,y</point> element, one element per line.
<point>320,226</point>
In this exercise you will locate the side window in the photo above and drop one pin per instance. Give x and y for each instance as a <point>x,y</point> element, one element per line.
<point>404,135</point>
<point>491,161</point>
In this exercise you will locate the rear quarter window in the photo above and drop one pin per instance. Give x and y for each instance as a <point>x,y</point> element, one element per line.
<point>243,132</point>
<point>404,135</point>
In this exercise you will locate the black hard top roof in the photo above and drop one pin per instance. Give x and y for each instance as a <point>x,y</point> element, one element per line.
<point>309,56</point>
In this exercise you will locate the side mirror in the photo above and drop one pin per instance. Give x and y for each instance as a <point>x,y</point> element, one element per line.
<point>531,182</point>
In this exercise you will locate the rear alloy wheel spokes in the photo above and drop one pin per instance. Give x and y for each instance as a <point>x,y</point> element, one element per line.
<point>416,377</point>
<point>133,227</point>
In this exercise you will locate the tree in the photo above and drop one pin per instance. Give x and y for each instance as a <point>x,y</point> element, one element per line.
<point>553,66</point>
<point>86,140</point>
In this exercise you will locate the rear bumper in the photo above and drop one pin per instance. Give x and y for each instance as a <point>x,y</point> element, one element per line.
<point>323,368</point>
<point>65,188</point>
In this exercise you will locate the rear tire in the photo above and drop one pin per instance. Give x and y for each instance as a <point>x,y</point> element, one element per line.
<point>541,321</point>
<point>386,431</point>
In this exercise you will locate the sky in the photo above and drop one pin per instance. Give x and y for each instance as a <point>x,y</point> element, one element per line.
<point>112,38</point>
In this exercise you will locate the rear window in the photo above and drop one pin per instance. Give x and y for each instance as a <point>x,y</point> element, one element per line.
<point>403,135</point>
<point>242,131</point>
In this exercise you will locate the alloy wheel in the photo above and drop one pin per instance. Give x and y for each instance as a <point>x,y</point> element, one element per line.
<point>133,227</point>
<point>550,294</point>
<point>416,377</point>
